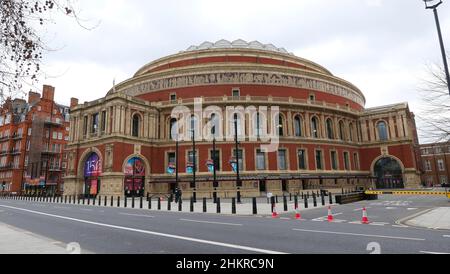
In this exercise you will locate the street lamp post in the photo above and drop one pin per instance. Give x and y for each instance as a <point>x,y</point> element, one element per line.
<point>194,162</point>
<point>434,4</point>
<point>238,177</point>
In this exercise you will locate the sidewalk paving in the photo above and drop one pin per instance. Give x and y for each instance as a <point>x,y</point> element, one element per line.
<point>438,218</point>
<point>17,241</point>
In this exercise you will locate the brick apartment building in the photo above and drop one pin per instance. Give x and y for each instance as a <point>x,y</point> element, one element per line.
<point>435,163</point>
<point>33,135</point>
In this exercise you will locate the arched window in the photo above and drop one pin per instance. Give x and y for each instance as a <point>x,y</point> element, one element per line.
<point>298,126</point>
<point>236,122</point>
<point>193,126</point>
<point>382,131</point>
<point>341,131</point>
<point>330,129</point>
<point>173,130</point>
<point>280,125</point>
<point>315,127</point>
<point>350,127</point>
<point>136,125</point>
<point>259,124</point>
<point>214,121</point>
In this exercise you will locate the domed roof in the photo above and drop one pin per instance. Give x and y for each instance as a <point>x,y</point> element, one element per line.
<point>225,44</point>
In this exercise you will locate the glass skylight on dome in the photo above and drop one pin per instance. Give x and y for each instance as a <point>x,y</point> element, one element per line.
<point>225,44</point>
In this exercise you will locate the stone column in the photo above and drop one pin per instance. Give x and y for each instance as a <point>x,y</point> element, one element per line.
<point>307,123</point>
<point>372,131</point>
<point>392,128</point>
<point>400,126</point>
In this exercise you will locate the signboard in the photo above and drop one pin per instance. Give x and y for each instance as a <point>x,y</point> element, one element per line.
<point>171,168</point>
<point>93,166</point>
<point>210,165</point>
<point>233,163</point>
<point>94,187</point>
<point>190,168</point>
<point>135,167</point>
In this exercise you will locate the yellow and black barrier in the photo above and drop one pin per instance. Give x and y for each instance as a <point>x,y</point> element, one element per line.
<point>409,192</point>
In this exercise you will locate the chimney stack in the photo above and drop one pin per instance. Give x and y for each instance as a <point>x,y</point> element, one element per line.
<point>73,102</point>
<point>48,93</point>
<point>33,97</point>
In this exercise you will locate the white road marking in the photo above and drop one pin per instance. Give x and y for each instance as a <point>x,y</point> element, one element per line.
<point>412,208</point>
<point>378,223</point>
<point>390,208</point>
<point>61,207</point>
<point>208,222</point>
<point>446,236</point>
<point>436,253</point>
<point>85,209</point>
<point>247,248</point>
<point>362,235</point>
<point>402,226</point>
<point>136,215</point>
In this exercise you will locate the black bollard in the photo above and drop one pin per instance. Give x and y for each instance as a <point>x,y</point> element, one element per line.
<point>89,199</point>
<point>233,206</point>
<point>65,199</point>
<point>342,190</point>
<point>99,200</point>
<point>290,197</point>
<point>215,197</point>
<point>239,197</point>
<point>94,201</point>
<point>314,200</point>
<point>276,199</point>
<point>118,201</point>
<point>70,199</point>
<point>54,197</point>
<point>285,204</point>
<point>192,204</point>
<point>218,205</point>
<point>331,198</point>
<point>125,201</point>
<point>83,200</point>
<point>149,202</point>
<point>78,199</point>
<point>194,197</point>
<point>132,201</point>
<point>159,203</point>
<point>140,202</point>
<point>295,201</point>
<point>306,203</point>
<point>323,200</point>
<point>272,203</point>
<point>180,205</point>
<point>255,208</point>
<point>169,204</point>
<point>204,205</point>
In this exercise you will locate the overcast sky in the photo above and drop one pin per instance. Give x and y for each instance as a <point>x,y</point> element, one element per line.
<point>383,47</point>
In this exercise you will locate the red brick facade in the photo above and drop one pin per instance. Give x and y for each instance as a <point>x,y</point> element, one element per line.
<point>435,167</point>
<point>133,120</point>
<point>32,144</point>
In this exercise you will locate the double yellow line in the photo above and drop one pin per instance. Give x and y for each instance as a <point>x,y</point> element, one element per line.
<point>425,193</point>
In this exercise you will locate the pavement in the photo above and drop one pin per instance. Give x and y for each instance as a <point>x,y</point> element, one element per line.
<point>106,230</point>
<point>17,241</point>
<point>438,218</point>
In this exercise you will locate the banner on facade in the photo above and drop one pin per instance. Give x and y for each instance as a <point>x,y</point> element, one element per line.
<point>210,165</point>
<point>171,168</point>
<point>135,167</point>
<point>93,166</point>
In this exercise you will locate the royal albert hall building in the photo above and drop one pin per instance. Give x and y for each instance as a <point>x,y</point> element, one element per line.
<point>123,144</point>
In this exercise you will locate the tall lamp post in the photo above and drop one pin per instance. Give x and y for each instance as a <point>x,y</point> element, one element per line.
<point>434,4</point>
<point>195,164</point>
<point>236,141</point>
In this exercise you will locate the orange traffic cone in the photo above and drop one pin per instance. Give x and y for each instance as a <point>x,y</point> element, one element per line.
<point>297,214</point>
<point>274,213</point>
<point>365,220</point>
<point>330,215</point>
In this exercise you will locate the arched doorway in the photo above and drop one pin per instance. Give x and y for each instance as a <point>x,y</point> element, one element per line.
<point>92,173</point>
<point>388,173</point>
<point>134,177</point>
